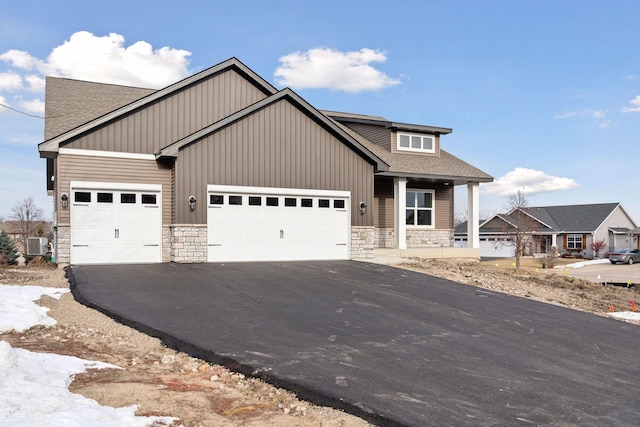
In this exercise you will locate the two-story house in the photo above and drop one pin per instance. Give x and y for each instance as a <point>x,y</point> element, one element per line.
<point>222,166</point>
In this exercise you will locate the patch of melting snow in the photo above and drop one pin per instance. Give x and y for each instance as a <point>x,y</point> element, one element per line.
<point>34,387</point>
<point>583,263</point>
<point>626,315</point>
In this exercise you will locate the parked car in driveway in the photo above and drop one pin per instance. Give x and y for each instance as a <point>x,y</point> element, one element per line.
<point>626,256</point>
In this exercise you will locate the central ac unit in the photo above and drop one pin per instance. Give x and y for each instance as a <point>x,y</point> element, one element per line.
<point>37,246</point>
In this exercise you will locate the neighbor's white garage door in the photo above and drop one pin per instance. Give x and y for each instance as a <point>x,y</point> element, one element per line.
<point>115,223</point>
<point>496,248</point>
<point>275,224</point>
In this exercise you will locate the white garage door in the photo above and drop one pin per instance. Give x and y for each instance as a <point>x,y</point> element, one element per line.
<point>115,223</point>
<point>275,224</point>
<point>496,248</point>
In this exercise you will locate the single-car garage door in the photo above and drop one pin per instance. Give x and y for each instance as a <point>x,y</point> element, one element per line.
<point>115,223</point>
<point>276,224</point>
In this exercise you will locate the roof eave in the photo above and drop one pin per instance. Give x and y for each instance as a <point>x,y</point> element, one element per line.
<point>419,128</point>
<point>457,180</point>
<point>391,125</point>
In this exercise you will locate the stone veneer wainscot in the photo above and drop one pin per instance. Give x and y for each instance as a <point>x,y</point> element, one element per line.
<point>188,243</point>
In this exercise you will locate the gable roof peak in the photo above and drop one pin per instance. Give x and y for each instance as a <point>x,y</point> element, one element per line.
<point>173,149</point>
<point>51,146</point>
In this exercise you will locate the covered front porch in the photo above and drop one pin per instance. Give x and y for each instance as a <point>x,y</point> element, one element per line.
<point>414,217</point>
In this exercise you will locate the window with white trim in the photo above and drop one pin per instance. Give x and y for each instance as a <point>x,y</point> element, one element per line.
<point>416,142</point>
<point>574,241</point>
<point>419,208</point>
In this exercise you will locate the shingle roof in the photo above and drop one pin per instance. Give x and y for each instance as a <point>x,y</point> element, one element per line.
<point>447,166</point>
<point>71,103</point>
<point>14,227</point>
<point>573,218</point>
<point>585,218</point>
<point>69,116</point>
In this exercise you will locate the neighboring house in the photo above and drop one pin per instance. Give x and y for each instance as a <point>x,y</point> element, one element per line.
<point>222,166</point>
<point>14,230</point>
<point>558,229</point>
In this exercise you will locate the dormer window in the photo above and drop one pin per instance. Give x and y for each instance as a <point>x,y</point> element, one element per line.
<point>416,142</point>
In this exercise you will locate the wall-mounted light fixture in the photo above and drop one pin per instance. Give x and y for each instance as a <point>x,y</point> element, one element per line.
<point>192,203</point>
<point>363,208</point>
<point>64,199</point>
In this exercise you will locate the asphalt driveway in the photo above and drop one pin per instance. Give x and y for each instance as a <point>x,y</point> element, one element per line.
<point>392,346</point>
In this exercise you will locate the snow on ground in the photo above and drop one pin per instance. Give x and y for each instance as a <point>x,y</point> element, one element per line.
<point>633,316</point>
<point>18,310</point>
<point>34,387</point>
<point>583,263</point>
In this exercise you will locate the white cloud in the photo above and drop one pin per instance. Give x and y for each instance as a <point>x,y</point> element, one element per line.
<point>104,59</point>
<point>20,59</point>
<point>332,69</point>
<point>528,181</point>
<point>598,117</point>
<point>10,81</point>
<point>33,106</point>
<point>635,106</point>
<point>582,114</point>
<point>566,115</point>
<point>36,83</point>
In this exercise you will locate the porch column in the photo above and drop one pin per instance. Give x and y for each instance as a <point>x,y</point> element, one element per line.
<point>473,221</point>
<point>400,224</point>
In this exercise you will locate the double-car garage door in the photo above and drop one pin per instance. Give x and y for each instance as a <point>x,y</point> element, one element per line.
<point>276,224</point>
<point>122,223</point>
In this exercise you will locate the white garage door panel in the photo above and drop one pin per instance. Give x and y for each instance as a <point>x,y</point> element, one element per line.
<point>277,232</point>
<point>496,249</point>
<point>118,223</point>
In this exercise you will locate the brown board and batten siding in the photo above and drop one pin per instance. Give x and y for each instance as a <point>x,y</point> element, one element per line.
<point>444,206</point>
<point>384,207</point>
<point>384,204</point>
<point>169,119</point>
<point>107,169</point>
<point>377,134</point>
<point>277,146</point>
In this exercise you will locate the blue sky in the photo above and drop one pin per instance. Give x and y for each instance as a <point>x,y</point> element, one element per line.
<point>542,95</point>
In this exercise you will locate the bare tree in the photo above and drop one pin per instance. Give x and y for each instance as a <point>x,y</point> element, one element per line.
<point>461,217</point>
<point>522,225</point>
<point>28,218</point>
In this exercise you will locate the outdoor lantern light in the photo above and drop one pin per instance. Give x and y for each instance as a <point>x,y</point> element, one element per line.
<point>192,203</point>
<point>363,208</point>
<point>64,198</point>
